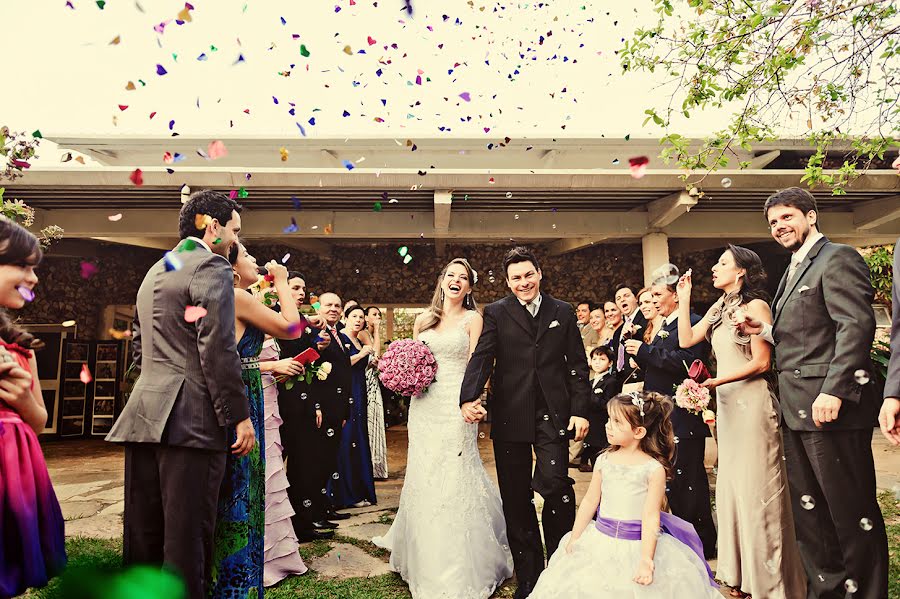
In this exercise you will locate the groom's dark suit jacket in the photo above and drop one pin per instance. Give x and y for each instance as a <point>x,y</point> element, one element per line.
<point>539,361</point>
<point>823,327</point>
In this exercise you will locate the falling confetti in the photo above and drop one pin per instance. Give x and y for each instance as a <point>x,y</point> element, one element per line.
<point>403,250</point>
<point>26,293</point>
<point>292,228</point>
<point>85,375</point>
<point>88,270</point>
<point>160,70</point>
<point>638,166</point>
<point>285,258</point>
<point>201,221</point>
<point>137,177</point>
<point>115,217</point>
<point>194,313</point>
<point>172,261</point>
<point>68,323</point>
<point>216,149</point>
<point>284,153</point>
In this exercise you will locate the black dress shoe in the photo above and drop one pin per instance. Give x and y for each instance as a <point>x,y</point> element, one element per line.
<point>315,535</point>
<point>324,525</point>
<point>336,516</point>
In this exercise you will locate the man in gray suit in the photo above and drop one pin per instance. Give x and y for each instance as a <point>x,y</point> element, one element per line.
<point>189,391</point>
<point>822,332</point>
<point>889,417</point>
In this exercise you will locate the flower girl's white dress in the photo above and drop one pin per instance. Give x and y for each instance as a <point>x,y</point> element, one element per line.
<point>602,566</point>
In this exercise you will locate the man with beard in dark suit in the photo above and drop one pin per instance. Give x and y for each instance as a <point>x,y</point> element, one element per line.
<point>664,363</point>
<point>822,330</point>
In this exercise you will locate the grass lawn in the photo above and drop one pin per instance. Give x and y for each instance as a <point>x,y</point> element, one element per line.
<point>104,555</point>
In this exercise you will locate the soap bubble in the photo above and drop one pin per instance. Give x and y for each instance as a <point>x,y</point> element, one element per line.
<point>850,586</point>
<point>726,182</point>
<point>307,503</point>
<point>862,377</point>
<point>866,524</point>
<point>335,476</point>
<point>667,274</point>
<point>330,432</point>
<point>807,502</point>
<point>801,414</point>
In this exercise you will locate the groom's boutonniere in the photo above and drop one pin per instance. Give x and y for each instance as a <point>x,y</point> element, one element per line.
<point>553,324</point>
<point>663,334</point>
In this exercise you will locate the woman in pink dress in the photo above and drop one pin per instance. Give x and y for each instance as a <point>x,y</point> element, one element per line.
<point>281,556</point>
<point>32,538</point>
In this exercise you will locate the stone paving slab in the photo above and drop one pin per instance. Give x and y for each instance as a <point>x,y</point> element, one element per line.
<point>365,532</point>
<point>100,526</point>
<point>348,561</point>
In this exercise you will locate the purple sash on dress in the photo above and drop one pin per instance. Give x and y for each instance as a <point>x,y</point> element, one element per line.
<point>682,531</point>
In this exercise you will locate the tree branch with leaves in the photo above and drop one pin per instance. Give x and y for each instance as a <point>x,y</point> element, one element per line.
<point>828,68</point>
<point>16,150</point>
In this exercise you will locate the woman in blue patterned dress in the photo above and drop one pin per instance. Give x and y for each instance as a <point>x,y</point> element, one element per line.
<point>240,519</point>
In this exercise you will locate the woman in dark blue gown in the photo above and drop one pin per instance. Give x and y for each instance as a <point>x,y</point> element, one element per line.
<point>355,482</point>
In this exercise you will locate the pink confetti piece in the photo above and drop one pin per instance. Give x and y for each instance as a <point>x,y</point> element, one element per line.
<point>194,313</point>
<point>465,96</point>
<point>85,375</point>
<point>638,166</point>
<point>88,270</point>
<point>216,149</point>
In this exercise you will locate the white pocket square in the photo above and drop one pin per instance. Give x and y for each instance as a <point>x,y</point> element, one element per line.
<point>802,289</point>
<point>553,324</point>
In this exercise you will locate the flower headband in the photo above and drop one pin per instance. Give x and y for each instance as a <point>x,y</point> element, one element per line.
<point>638,400</point>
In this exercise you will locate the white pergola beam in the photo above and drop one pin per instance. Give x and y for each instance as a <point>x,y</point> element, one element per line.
<point>763,160</point>
<point>565,246</point>
<point>467,225</point>
<point>868,215</point>
<point>442,205</point>
<point>664,211</point>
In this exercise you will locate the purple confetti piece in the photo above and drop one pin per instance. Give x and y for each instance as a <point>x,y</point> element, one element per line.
<point>160,70</point>
<point>26,293</point>
<point>465,96</point>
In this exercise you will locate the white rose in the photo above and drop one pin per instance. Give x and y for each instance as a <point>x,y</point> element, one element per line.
<point>321,374</point>
<point>325,367</point>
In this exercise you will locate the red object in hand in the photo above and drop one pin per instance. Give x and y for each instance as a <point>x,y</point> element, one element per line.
<point>269,278</point>
<point>698,371</point>
<point>307,356</point>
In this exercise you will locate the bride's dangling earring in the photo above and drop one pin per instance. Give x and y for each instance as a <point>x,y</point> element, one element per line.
<point>442,296</point>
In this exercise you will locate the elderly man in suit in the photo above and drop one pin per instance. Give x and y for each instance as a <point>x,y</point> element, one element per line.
<point>822,330</point>
<point>664,363</point>
<point>189,391</point>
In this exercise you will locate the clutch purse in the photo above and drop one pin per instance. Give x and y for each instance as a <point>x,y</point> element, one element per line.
<point>698,371</point>
<point>307,356</point>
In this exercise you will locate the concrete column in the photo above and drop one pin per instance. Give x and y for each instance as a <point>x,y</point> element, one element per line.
<point>656,253</point>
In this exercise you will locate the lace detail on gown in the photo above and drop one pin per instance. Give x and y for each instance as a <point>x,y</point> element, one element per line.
<point>448,540</point>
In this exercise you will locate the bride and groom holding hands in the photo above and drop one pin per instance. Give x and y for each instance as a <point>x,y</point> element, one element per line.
<point>452,537</point>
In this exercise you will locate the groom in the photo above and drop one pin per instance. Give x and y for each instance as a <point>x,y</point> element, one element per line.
<point>531,343</point>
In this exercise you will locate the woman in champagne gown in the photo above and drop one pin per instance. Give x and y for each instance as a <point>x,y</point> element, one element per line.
<point>758,554</point>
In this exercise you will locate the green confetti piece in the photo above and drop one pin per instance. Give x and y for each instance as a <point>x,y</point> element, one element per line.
<point>628,137</point>
<point>37,134</point>
<point>303,51</point>
<point>213,49</point>
<point>174,56</point>
<point>317,305</point>
<point>188,245</point>
<point>217,241</point>
<point>376,207</point>
<point>243,193</point>
<point>403,250</point>
<point>407,259</point>
<point>101,3</point>
<point>142,82</point>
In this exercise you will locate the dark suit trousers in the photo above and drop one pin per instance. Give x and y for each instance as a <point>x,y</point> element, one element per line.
<point>832,480</point>
<point>517,486</point>
<point>170,509</point>
<point>688,491</point>
<point>312,458</point>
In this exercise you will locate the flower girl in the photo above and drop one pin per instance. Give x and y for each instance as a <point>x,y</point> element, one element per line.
<point>632,549</point>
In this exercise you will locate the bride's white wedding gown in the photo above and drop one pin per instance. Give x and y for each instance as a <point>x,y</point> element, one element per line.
<point>448,540</point>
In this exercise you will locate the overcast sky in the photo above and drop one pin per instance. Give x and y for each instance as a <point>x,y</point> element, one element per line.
<point>65,77</point>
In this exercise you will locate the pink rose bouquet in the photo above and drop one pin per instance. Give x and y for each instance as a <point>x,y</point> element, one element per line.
<point>694,398</point>
<point>407,367</point>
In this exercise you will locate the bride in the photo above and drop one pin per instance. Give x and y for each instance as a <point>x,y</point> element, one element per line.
<point>448,540</point>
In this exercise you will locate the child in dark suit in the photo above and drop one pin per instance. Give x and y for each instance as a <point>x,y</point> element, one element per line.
<point>606,384</point>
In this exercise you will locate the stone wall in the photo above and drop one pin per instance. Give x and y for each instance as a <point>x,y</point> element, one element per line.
<point>368,273</point>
